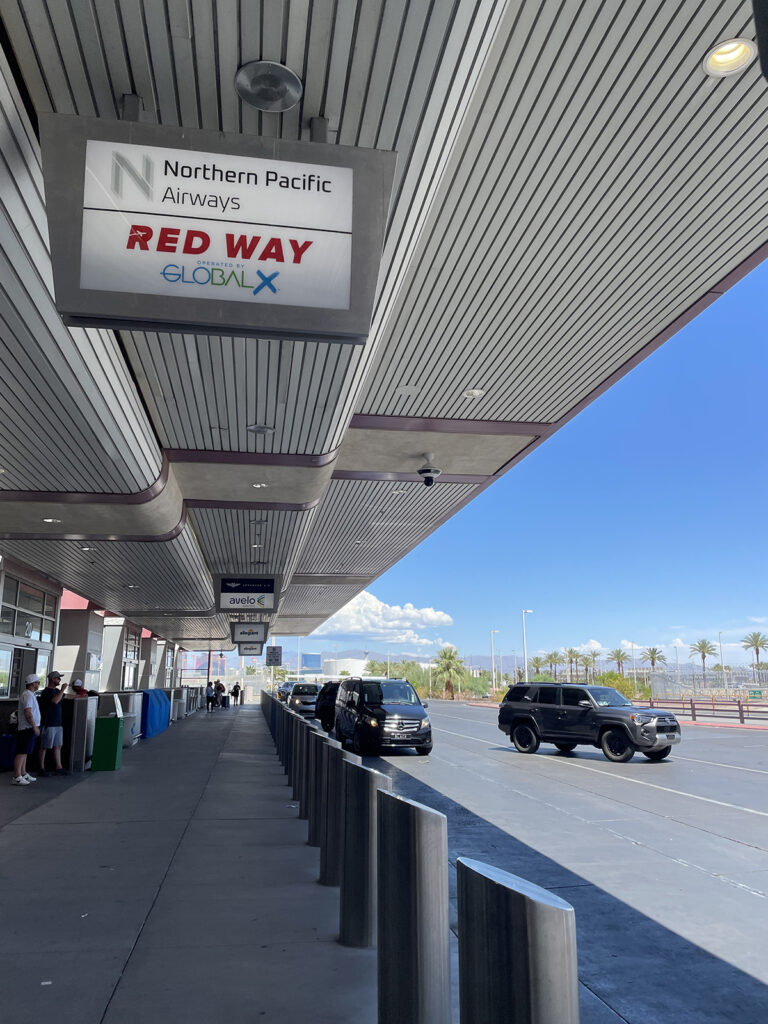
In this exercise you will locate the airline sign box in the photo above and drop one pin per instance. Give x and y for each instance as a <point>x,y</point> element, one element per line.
<point>163,228</point>
<point>247,593</point>
<point>248,632</point>
<point>274,657</point>
<point>250,650</point>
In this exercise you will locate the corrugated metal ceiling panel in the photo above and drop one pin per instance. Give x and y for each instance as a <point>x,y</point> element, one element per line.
<point>121,575</point>
<point>227,538</point>
<point>365,526</point>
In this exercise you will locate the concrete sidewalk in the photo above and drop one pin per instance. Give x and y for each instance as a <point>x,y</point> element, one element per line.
<point>179,888</point>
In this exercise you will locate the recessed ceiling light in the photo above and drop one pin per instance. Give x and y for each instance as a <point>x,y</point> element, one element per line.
<point>259,485</point>
<point>51,520</point>
<point>408,391</point>
<point>398,492</point>
<point>1,470</point>
<point>474,393</point>
<point>255,545</point>
<point>260,428</point>
<point>86,549</point>
<point>729,57</point>
<point>132,586</point>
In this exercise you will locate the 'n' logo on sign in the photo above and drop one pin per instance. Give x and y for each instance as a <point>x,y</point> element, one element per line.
<point>141,179</point>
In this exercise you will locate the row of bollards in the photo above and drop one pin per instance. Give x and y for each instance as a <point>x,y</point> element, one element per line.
<point>389,856</point>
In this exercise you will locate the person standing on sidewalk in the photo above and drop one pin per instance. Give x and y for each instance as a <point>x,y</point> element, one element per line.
<point>235,694</point>
<point>210,697</point>
<point>28,729</point>
<point>51,733</point>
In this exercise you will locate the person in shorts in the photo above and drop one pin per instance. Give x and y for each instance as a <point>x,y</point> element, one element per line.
<point>28,729</point>
<point>210,697</point>
<point>51,731</point>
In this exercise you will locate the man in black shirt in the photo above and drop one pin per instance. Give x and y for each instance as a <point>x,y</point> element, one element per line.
<point>51,732</point>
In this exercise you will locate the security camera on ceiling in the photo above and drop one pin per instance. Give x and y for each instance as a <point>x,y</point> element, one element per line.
<point>429,472</point>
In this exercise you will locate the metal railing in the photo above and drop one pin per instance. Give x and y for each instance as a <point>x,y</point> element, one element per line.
<point>697,708</point>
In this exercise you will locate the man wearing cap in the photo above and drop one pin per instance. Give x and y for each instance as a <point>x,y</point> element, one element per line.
<point>78,688</point>
<point>51,733</point>
<point>28,729</point>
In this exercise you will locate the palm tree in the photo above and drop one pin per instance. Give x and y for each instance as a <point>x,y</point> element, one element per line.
<point>706,650</point>
<point>589,661</point>
<point>655,656</point>
<point>755,642</point>
<point>619,655</point>
<point>554,658</point>
<point>572,655</point>
<point>449,667</point>
<point>537,664</point>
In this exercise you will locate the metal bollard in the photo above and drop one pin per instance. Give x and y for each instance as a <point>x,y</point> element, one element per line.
<point>294,727</point>
<point>413,937</point>
<point>357,907</point>
<point>332,821</point>
<point>316,743</point>
<point>306,772</point>
<point>517,950</point>
<point>301,731</point>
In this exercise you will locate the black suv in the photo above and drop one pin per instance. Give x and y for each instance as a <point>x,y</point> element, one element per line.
<point>378,714</point>
<point>325,708</point>
<point>596,715</point>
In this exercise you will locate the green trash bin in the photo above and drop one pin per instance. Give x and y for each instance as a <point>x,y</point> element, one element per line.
<point>107,745</point>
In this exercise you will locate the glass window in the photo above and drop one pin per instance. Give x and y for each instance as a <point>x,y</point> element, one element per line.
<point>30,599</point>
<point>7,618</point>
<point>547,695</point>
<point>518,692</point>
<point>28,626</point>
<point>5,671</point>
<point>129,676</point>
<point>572,696</point>
<point>46,631</point>
<point>10,590</point>
<point>131,647</point>
<point>43,660</point>
<point>50,606</point>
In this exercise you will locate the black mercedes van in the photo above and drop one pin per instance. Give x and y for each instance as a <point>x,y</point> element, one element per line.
<point>375,715</point>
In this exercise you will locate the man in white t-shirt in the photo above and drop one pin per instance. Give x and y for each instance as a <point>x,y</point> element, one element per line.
<point>28,729</point>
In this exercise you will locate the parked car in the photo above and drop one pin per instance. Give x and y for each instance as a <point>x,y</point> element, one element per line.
<point>595,715</point>
<point>381,714</point>
<point>325,708</point>
<point>302,698</point>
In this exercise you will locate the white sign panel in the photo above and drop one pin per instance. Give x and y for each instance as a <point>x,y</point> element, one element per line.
<point>274,657</point>
<point>198,225</point>
<point>249,632</point>
<point>239,592</point>
<point>250,650</point>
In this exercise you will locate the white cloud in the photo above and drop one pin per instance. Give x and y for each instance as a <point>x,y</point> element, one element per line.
<point>589,646</point>
<point>367,615</point>
<point>630,645</point>
<point>759,619</point>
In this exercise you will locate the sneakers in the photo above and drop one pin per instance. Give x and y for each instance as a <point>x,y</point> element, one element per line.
<point>30,778</point>
<point>19,780</point>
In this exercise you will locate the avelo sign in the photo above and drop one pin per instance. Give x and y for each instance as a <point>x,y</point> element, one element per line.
<point>246,593</point>
<point>161,227</point>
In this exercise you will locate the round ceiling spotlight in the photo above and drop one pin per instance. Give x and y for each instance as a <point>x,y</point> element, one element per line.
<point>474,393</point>
<point>268,86</point>
<point>729,57</point>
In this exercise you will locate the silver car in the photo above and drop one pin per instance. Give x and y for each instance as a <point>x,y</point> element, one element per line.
<point>303,697</point>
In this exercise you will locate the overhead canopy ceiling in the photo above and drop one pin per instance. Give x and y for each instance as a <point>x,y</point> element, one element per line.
<point>571,188</point>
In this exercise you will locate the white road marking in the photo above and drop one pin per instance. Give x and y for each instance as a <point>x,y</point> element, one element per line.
<point>625,778</point>
<point>718,764</point>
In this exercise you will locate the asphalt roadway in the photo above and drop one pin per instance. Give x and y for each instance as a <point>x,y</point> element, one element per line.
<point>666,864</point>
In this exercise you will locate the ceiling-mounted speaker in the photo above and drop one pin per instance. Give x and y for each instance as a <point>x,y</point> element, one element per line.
<point>268,86</point>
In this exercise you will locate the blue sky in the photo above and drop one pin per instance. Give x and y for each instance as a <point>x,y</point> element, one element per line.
<point>641,521</point>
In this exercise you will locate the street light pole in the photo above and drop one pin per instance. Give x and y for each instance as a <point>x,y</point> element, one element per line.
<point>722,662</point>
<point>525,611</point>
<point>493,664</point>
